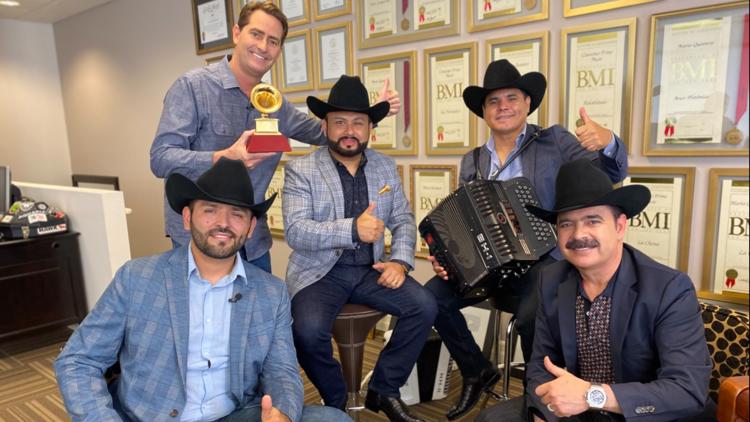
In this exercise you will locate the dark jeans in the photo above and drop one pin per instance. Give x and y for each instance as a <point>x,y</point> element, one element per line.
<point>263,262</point>
<point>315,308</point>
<point>451,324</point>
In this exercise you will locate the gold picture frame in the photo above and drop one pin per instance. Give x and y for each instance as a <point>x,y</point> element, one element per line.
<point>459,136</point>
<point>611,107</point>
<point>396,24</point>
<point>438,179</point>
<point>274,215</point>
<point>296,53</point>
<point>300,148</point>
<point>303,9</point>
<point>387,236</point>
<point>328,71</point>
<point>212,25</point>
<point>662,229</point>
<point>345,8</point>
<point>529,11</point>
<point>725,262</point>
<point>402,130</point>
<point>691,110</point>
<point>571,9</point>
<point>513,49</point>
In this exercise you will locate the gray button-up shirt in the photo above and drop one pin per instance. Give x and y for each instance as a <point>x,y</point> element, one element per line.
<point>205,111</point>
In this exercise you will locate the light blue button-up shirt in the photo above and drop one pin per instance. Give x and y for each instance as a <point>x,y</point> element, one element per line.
<point>208,384</point>
<point>515,169</point>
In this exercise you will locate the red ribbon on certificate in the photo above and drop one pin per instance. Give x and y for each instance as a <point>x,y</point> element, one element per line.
<point>407,94</point>
<point>404,6</point>
<point>744,73</point>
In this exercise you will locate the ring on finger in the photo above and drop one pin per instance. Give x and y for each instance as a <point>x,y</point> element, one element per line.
<point>550,408</point>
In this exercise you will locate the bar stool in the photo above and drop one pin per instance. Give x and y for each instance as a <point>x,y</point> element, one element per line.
<point>350,332</point>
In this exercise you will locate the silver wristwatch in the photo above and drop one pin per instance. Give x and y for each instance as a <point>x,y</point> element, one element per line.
<point>596,397</point>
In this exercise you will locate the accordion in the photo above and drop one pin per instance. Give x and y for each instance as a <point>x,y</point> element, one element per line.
<point>482,233</point>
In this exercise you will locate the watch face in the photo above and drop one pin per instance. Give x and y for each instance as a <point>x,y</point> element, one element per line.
<point>596,397</point>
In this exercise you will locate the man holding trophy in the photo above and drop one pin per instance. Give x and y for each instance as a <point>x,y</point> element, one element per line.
<point>207,115</point>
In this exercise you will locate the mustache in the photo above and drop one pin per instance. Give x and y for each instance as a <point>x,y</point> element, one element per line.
<point>581,243</point>
<point>344,138</point>
<point>222,230</point>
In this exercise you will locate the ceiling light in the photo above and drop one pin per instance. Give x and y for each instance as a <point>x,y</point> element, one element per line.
<point>9,3</point>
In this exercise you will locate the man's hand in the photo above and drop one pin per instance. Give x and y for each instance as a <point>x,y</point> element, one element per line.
<point>592,135</point>
<point>392,274</point>
<point>369,228</point>
<point>238,151</point>
<point>439,270</point>
<point>386,94</point>
<point>564,396</point>
<point>268,413</point>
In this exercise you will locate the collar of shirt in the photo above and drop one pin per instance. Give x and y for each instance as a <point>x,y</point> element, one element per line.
<point>237,271</point>
<point>514,169</point>
<point>224,71</point>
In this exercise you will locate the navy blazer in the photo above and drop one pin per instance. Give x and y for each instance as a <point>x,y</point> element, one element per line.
<point>661,360</point>
<point>541,160</point>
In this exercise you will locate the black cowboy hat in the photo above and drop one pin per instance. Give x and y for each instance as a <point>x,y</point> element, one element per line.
<point>348,94</point>
<point>502,74</point>
<point>226,182</point>
<point>580,184</point>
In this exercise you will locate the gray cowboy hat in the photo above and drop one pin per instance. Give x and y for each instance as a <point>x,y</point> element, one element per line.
<point>226,182</point>
<point>502,74</point>
<point>348,94</point>
<point>580,184</point>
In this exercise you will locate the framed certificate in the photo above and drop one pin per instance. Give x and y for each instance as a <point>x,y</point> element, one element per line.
<point>212,25</point>
<point>388,22</point>
<point>583,7</point>
<point>297,11</point>
<point>528,53</point>
<point>597,71</point>
<point>395,135</point>
<point>450,127</point>
<point>489,14</point>
<point>326,9</point>
<point>697,89</point>
<point>429,185</point>
<point>662,229</point>
<point>295,70</point>
<point>300,148</point>
<point>725,263</point>
<point>332,52</point>
<point>273,215</point>
<point>387,236</point>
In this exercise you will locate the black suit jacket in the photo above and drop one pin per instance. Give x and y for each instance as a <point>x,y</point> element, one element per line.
<point>659,351</point>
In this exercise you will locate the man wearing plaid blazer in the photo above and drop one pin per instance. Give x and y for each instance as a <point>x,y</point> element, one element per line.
<point>337,202</point>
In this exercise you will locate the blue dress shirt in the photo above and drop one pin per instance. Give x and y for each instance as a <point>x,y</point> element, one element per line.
<point>207,386</point>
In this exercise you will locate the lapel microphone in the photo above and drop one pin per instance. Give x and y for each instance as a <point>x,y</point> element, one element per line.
<point>236,298</point>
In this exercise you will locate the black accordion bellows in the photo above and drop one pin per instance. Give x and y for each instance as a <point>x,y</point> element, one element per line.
<point>482,233</point>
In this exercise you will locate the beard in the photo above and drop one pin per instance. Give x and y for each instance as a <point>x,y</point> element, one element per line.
<point>224,249</point>
<point>336,146</point>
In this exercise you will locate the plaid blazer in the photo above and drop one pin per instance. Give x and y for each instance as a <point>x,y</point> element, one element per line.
<point>314,222</point>
<point>142,319</point>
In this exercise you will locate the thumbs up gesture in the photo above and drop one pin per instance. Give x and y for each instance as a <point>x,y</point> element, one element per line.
<point>566,394</point>
<point>268,413</point>
<point>387,94</point>
<point>369,227</point>
<point>591,135</point>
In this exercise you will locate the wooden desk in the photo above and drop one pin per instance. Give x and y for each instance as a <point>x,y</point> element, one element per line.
<point>41,284</point>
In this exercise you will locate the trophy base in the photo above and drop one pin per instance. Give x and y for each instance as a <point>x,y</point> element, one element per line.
<point>268,143</point>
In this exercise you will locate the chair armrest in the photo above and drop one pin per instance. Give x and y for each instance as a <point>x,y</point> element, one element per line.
<point>733,399</point>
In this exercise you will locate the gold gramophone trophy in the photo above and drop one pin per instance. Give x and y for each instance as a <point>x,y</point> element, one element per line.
<point>267,138</point>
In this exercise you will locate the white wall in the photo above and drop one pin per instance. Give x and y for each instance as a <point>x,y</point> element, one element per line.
<point>33,138</point>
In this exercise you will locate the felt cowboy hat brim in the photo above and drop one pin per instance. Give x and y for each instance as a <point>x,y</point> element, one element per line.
<point>226,182</point>
<point>348,94</point>
<point>502,74</point>
<point>580,184</point>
